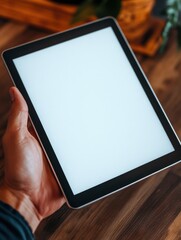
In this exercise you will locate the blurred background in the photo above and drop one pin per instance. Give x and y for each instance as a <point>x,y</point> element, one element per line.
<point>146,23</point>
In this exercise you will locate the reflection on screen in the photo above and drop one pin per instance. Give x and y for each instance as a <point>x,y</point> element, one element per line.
<point>93,108</point>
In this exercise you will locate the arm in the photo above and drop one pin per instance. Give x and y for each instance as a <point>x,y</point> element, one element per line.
<point>29,185</point>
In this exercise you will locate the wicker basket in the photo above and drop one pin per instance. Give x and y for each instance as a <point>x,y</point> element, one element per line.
<point>134,18</point>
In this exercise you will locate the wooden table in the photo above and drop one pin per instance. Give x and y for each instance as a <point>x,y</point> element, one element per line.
<point>150,209</point>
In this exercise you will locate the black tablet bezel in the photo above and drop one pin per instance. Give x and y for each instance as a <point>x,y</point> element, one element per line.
<point>123,180</point>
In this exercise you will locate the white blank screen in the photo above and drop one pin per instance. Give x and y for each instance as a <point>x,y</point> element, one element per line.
<point>96,115</point>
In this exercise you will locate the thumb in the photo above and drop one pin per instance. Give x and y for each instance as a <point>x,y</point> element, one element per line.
<point>18,117</point>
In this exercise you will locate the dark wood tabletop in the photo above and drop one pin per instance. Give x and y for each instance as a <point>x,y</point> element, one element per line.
<point>148,210</point>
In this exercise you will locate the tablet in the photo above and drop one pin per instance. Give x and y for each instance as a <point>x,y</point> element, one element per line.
<point>98,120</point>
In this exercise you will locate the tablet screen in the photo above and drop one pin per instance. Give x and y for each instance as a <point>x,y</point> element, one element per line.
<point>93,108</point>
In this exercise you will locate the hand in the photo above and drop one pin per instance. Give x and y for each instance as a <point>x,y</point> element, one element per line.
<point>28,176</point>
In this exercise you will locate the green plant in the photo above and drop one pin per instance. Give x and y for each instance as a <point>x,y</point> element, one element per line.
<point>173,16</point>
<point>99,8</point>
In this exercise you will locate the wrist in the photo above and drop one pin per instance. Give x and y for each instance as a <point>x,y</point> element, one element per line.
<point>21,203</point>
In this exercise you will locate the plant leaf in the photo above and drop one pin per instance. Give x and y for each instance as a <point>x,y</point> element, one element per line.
<point>179,36</point>
<point>108,8</point>
<point>86,9</point>
<point>165,36</point>
<point>100,8</point>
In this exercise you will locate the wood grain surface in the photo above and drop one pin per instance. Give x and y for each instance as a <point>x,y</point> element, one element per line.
<point>148,210</point>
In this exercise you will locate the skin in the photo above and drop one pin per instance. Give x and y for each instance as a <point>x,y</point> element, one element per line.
<point>29,185</point>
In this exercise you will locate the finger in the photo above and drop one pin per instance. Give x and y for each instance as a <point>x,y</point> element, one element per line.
<point>18,117</point>
<point>31,128</point>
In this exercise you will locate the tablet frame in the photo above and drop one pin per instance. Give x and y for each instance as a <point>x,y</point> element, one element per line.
<point>126,179</point>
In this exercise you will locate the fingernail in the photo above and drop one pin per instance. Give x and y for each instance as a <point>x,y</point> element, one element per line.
<point>11,95</point>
